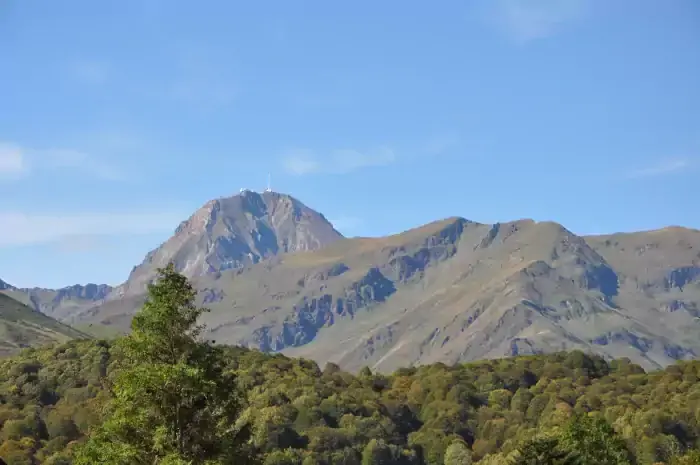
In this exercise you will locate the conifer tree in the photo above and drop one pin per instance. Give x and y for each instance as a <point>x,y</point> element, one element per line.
<point>173,401</point>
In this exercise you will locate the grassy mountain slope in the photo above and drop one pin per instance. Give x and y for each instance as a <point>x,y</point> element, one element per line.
<point>454,291</point>
<point>21,326</point>
<point>279,277</point>
<point>510,289</point>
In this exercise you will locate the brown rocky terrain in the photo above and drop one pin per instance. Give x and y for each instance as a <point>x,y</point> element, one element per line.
<point>60,303</point>
<point>226,233</point>
<point>232,232</point>
<point>277,276</point>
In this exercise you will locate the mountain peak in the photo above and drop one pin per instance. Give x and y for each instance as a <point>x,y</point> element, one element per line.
<point>232,232</point>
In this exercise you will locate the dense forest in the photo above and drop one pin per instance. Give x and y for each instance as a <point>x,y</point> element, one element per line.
<point>163,395</point>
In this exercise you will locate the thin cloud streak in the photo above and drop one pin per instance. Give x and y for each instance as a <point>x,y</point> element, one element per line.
<point>528,20</point>
<point>203,91</point>
<point>664,168</point>
<point>202,77</point>
<point>78,244</point>
<point>194,75</point>
<point>73,159</point>
<point>300,162</point>
<point>441,144</point>
<point>16,161</point>
<point>91,72</point>
<point>12,161</point>
<point>21,229</point>
<point>346,224</point>
<point>305,162</point>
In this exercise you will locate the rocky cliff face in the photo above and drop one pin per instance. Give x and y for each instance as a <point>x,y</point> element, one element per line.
<point>456,291</point>
<point>227,233</point>
<point>59,303</point>
<point>233,232</point>
<point>278,277</point>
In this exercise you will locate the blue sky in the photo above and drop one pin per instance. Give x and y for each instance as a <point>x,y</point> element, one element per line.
<point>119,118</point>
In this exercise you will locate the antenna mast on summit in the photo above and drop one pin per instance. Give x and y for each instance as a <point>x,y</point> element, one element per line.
<point>269,184</point>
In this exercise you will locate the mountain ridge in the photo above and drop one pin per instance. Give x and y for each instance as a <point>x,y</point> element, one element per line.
<point>452,290</point>
<point>58,302</point>
<point>21,326</point>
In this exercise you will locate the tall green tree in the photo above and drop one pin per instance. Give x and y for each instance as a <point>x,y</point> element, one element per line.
<point>545,451</point>
<point>458,453</point>
<point>173,401</point>
<point>377,452</point>
<point>595,442</point>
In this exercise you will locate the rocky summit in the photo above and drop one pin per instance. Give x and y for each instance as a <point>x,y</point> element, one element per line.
<point>233,232</point>
<point>226,233</point>
<point>278,277</point>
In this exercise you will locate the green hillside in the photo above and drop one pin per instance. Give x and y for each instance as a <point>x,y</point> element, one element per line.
<point>301,413</point>
<point>21,327</point>
<point>179,399</point>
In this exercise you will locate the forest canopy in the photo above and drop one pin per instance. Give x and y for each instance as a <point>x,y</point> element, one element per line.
<point>59,405</point>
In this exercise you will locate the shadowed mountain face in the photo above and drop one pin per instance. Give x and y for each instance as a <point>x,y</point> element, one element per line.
<point>22,326</point>
<point>456,291</point>
<point>278,277</point>
<point>59,303</point>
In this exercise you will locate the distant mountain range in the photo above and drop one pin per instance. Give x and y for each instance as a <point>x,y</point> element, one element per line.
<point>279,277</point>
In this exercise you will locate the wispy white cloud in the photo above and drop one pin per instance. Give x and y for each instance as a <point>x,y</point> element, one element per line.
<point>276,29</point>
<point>79,244</point>
<point>527,20</point>
<point>665,167</point>
<point>201,77</point>
<point>91,72</point>
<point>317,101</point>
<point>204,91</point>
<point>12,161</point>
<point>302,162</point>
<point>346,224</point>
<point>20,229</point>
<point>439,144</point>
<point>111,141</point>
<point>192,74</point>
<point>16,161</point>
<point>73,159</point>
